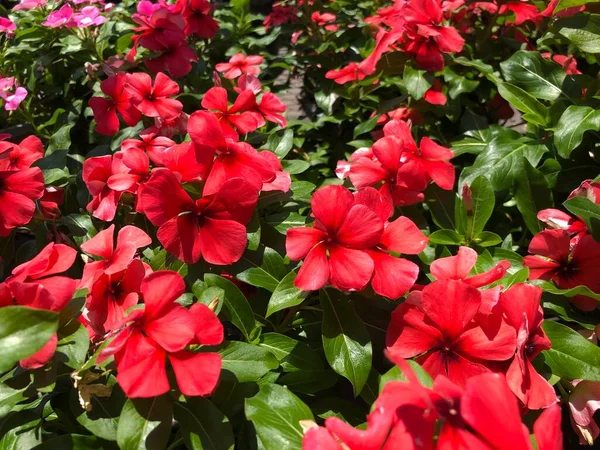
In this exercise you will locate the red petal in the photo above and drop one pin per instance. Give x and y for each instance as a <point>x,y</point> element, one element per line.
<point>173,329</point>
<point>160,290</point>
<point>351,270</point>
<point>553,244</point>
<point>209,330</point>
<point>393,276</point>
<point>361,228</point>
<point>42,356</point>
<point>299,241</point>
<point>163,197</point>
<point>314,273</point>
<point>181,238</point>
<point>330,204</point>
<point>102,244</point>
<point>215,98</point>
<point>409,333</point>
<point>547,429</point>
<point>222,241</point>
<point>403,236</point>
<point>187,367</point>
<point>388,151</point>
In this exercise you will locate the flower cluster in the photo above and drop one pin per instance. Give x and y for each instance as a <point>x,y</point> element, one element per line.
<point>566,253</point>
<point>210,226</point>
<point>164,29</point>
<point>67,17</point>
<point>398,166</point>
<point>482,414</point>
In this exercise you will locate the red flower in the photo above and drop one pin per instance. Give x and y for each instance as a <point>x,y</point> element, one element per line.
<point>162,330</point>
<point>197,17</point>
<point>234,159</point>
<point>153,145</point>
<point>427,39</point>
<point>280,15</point>
<point>404,169</point>
<point>51,200</point>
<point>569,63</point>
<point>52,260</point>
<point>106,109</point>
<point>557,220</point>
<point>176,60</point>
<point>521,306</point>
<point>241,115</point>
<point>18,190</point>
<point>154,101</point>
<point>438,325</point>
<point>112,295</point>
<point>240,64</point>
<point>434,94</point>
<point>114,259</point>
<point>270,107</point>
<point>500,108</point>
<point>181,160</point>
<point>162,30</point>
<point>349,241</point>
<point>566,268</point>
<point>324,20</point>
<point>523,12</point>
<point>96,172</point>
<point>137,170</point>
<point>20,156</point>
<point>212,227</point>
<point>351,72</point>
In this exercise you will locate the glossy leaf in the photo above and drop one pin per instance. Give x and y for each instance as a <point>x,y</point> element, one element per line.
<point>203,426</point>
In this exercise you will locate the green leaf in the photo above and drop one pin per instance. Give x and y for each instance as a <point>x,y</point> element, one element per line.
<point>549,287</point>
<point>281,143</point>
<point>61,140</point>
<point>365,127</point>
<point>295,166</point>
<point>573,123</point>
<point>483,200</point>
<point>145,424</point>
<point>268,275</point>
<point>416,82</point>
<point>292,355</point>
<point>246,361</point>
<point>9,397</point>
<point>487,239</point>
<point>325,101</point>
<point>536,112</point>
<point>572,356</point>
<point>23,331</point>
<point>284,221</point>
<point>532,194</point>
<point>564,4</point>
<point>502,161</point>
<point>308,381</point>
<point>203,426</point>
<point>276,414</point>
<point>21,430</point>
<point>346,341</point>
<point>73,344</point>
<point>237,308</point>
<point>445,237</point>
<point>285,295</point>
<point>583,30</point>
<point>302,190</point>
<point>539,77</point>
<point>72,442</point>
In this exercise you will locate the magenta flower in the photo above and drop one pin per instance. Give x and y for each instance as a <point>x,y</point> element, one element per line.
<point>7,26</point>
<point>58,18</point>
<point>12,94</point>
<point>88,16</point>
<point>29,4</point>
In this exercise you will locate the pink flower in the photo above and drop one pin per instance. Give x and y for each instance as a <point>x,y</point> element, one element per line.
<point>7,26</point>
<point>63,16</point>
<point>240,64</point>
<point>29,4</point>
<point>14,99</point>
<point>88,16</point>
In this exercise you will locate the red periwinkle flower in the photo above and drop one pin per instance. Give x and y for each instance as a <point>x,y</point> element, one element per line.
<point>434,95</point>
<point>198,21</point>
<point>175,59</point>
<point>106,109</point>
<point>153,145</point>
<point>270,107</point>
<point>161,330</point>
<point>22,155</point>
<point>439,326</point>
<point>115,259</point>
<point>241,115</point>
<point>137,170</point>
<point>153,100</point>
<point>521,306</point>
<point>351,72</point>
<point>566,268</point>
<point>52,260</point>
<point>234,159</point>
<point>212,227</point>
<point>349,242</point>
<point>240,64</point>
<point>18,190</point>
<point>96,172</point>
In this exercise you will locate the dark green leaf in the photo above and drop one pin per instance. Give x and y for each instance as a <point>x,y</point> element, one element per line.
<point>246,361</point>
<point>292,355</point>
<point>573,123</point>
<point>237,308</point>
<point>285,295</point>
<point>416,82</point>
<point>532,195</point>
<point>73,344</point>
<point>572,356</point>
<point>524,102</point>
<point>145,424</point>
<point>582,30</point>
<point>23,331</point>
<point>346,341</point>
<point>365,127</point>
<point>276,414</point>
<point>269,274</point>
<point>445,237</point>
<point>203,426</point>
<point>483,200</point>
